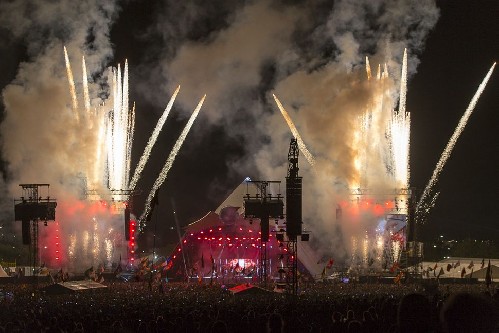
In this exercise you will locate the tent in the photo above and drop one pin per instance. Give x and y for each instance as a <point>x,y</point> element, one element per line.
<point>3,273</point>
<point>225,245</point>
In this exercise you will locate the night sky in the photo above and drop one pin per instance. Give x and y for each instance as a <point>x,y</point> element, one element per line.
<point>446,69</point>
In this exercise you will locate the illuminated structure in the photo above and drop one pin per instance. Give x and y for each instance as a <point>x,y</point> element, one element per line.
<point>30,210</point>
<point>105,174</point>
<point>263,207</point>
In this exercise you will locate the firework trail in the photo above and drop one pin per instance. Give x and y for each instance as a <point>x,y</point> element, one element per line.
<point>130,133</point>
<point>422,207</point>
<point>168,164</point>
<point>86,96</point>
<point>71,83</point>
<point>400,132</point>
<point>368,69</point>
<point>292,127</point>
<point>403,84</point>
<point>119,135</point>
<point>152,140</point>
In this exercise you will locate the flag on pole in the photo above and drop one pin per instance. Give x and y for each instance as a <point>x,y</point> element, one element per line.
<point>483,263</point>
<point>463,272</point>
<point>488,276</point>
<point>471,265</point>
<point>441,272</point>
<point>449,267</point>
<point>330,263</point>
<point>457,264</point>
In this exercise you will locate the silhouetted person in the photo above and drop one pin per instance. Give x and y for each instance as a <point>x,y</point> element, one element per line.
<point>464,312</point>
<point>337,325</point>
<point>275,323</point>
<point>355,326</point>
<point>414,314</point>
<point>219,327</point>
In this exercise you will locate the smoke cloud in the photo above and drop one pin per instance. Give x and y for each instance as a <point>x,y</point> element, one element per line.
<point>41,142</point>
<point>310,54</point>
<point>313,57</point>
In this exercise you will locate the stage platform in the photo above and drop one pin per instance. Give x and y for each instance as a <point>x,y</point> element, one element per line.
<point>72,287</point>
<point>249,289</point>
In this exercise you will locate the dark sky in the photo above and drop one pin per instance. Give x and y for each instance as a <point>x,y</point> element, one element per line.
<point>457,53</point>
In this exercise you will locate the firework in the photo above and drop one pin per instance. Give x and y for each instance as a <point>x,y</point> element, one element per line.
<point>292,127</point>
<point>168,164</point>
<point>423,207</point>
<point>72,89</point>
<point>152,141</point>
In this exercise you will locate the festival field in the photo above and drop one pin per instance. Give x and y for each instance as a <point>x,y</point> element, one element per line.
<point>182,307</point>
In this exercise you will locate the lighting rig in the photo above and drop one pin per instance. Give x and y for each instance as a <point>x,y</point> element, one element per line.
<point>263,206</point>
<point>30,209</point>
<point>294,223</point>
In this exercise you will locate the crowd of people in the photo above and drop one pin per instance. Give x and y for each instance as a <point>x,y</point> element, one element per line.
<point>193,307</point>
